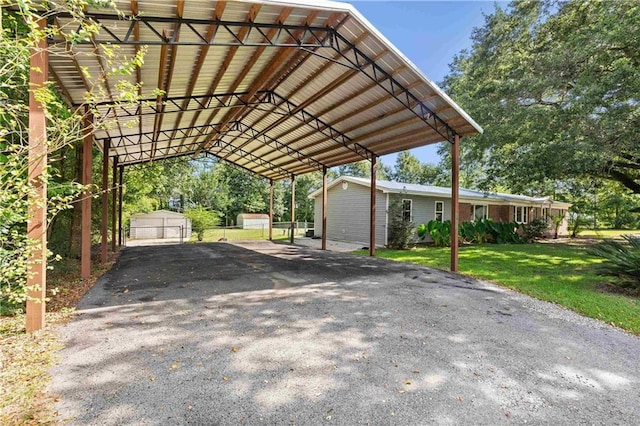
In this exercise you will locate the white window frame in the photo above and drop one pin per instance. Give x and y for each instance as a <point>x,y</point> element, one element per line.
<point>486,211</point>
<point>524,214</point>
<point>410,208</point>
<point>436,211</point>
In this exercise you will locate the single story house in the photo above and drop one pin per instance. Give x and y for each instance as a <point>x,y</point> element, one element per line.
<point>253,221</point>
<point>159,224</point>
<point>348,204</point>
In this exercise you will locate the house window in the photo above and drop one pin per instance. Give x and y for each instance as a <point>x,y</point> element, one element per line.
<point>406,209</point>
<point>545,214</point>
<point>521,214</point>
<point>480,212</point>
<point>439,211</point>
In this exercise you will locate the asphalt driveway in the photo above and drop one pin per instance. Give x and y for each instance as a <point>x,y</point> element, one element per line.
<point>262,333</point>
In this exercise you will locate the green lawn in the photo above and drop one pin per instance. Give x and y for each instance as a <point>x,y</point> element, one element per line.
<point>559,273</point>
<point>607,233</point>
<point>212,235</point>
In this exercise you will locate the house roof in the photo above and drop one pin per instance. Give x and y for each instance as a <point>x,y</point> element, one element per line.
<point>279,88</point>
<point>439,191</point>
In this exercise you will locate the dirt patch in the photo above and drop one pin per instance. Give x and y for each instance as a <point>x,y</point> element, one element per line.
<point>609,287</point>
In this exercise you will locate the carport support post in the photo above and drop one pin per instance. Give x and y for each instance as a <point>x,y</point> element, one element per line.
<point>114,203</point>
<point>372,221</point>
<point>270,209</point>
<point>37,210</point>
<point>120,187</point>
<point>87,160</point>
<point>324,208</point>
<point>455,205</point>
<point>104,229</point>
<point>293,207</point>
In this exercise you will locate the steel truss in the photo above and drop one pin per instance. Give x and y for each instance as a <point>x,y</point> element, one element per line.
<point>317,124</point>
<point>360,61</point>
<point>303,36</point>
<point>126,141</point>
<point>256,135</point>
<point>223,148</point>
<point>168,105</point>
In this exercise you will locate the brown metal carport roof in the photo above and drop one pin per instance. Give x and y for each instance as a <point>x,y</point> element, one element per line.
<point>278,88</point>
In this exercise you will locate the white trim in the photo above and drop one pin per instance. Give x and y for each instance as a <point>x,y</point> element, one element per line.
<point>525,214</point>
<point>386,222</point>
<point>486,211</point>
<point>435,210</point>
<point>410,208</point>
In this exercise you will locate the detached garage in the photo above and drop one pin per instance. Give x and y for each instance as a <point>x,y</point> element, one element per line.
<point>161,224</point>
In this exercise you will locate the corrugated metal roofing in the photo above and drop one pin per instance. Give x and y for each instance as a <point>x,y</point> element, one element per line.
<point>280,88</point>
<point>439,191</point>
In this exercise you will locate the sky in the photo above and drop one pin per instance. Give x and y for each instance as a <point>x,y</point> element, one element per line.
<point>430,34</point>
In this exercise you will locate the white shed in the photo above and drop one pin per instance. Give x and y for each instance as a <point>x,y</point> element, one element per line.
<point>161,224</point>
<point>253,221</point>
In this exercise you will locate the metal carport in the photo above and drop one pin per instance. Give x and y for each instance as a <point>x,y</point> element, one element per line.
<point>277,88</point>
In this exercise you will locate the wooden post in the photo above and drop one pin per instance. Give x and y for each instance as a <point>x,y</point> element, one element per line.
<point>37,210</point>
<point>324,208</point>
<point>87,160</point>
<point>372,218</point>
<point>293,208</point>
<point>104,229</point>
<point>120,188</point>
<point>114,203</point>
<point>455,205</point>
<point>271,210</point>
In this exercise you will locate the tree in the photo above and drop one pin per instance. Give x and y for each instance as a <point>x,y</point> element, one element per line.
<point>20,35</point>
<point>201,220</point>
<point>407,169</point>
<point>555,85</point>
<point>362,169</point>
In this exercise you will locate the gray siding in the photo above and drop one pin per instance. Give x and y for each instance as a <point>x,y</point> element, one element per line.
<point>423,208</point>
<point>348,214</point>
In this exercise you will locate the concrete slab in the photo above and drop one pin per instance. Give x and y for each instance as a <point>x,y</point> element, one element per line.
<point>340,246</point>
<point>263,333</point>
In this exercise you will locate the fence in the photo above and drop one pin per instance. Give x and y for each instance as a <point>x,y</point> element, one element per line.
<point>281,231</point>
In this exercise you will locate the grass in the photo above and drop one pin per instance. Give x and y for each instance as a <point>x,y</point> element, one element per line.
<point>230,234</point>
<point>558,273</point>
<point>26,358</point>
<point>606,233</point>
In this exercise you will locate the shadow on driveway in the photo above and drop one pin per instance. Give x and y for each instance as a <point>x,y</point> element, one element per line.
<point>270,333</point>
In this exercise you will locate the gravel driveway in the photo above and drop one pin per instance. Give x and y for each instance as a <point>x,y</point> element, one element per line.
<point>262,333</point>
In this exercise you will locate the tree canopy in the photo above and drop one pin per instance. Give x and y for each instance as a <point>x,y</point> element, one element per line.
<point>556,86</point>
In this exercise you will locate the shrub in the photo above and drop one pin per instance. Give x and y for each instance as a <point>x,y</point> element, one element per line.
<point>400,228</point>
<point>421,230</point>
<point>536,228</point>
<point>475,232</point>
<point>440,232</point>
<point>505,232</point>
<point>201,219</point>
<point>622,260</point>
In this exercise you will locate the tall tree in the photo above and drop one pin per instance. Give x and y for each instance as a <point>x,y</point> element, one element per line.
<point>555,85</point>
<point>407,169</point>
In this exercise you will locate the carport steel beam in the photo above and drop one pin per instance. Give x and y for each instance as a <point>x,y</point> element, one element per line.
<point>321,37</point>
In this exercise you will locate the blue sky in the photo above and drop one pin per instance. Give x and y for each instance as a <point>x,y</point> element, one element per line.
<point>430,34</point>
